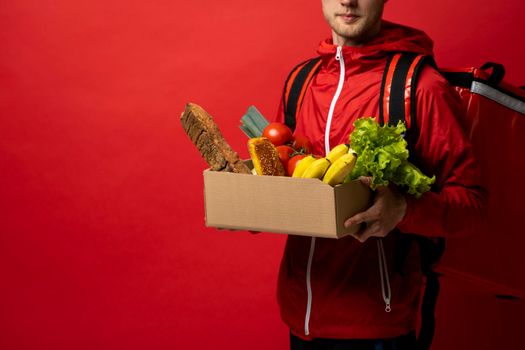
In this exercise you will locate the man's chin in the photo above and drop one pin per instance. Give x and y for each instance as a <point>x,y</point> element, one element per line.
<point>350,29</point>
<point>352,34</point>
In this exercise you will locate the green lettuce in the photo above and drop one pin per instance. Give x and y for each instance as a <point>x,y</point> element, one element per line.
<point>382,154</point>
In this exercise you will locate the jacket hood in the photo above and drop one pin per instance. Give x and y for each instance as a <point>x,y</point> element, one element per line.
<point>392,37</point>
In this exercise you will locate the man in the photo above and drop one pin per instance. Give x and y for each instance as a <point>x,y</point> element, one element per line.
<point>333,294</point>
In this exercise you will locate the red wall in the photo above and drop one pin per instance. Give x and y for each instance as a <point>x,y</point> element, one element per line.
<point>102,237</point>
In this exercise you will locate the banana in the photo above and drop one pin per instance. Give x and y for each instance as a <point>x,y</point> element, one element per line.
<point>337,172</point>
<point>317,169</point>
<point>302,165</point>
<point>337,152</point>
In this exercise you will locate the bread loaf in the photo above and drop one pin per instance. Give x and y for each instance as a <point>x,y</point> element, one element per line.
<point>265,157</point>
<point>205,134</point>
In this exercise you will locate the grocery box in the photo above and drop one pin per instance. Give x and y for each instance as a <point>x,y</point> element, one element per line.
<point>281,204</point>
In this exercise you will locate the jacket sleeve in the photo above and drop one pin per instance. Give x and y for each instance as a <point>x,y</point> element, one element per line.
<point>456,204</point>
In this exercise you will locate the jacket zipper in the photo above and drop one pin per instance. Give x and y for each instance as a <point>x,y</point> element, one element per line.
<point>338,57</point>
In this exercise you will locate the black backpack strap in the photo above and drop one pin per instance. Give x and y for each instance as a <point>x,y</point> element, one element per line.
<point>398,103</point>
<point>431,251</point>
<point>295,88</point>
<point>397,100</point>
<point>386,83</point>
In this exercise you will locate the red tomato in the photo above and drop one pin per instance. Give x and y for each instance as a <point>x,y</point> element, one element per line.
<point>284,154</point>
<point>302,142</point>
<point>292,163</point>
<point>277,133</point>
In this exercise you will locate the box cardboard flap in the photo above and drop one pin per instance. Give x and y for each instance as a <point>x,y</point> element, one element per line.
<point>351,198</point>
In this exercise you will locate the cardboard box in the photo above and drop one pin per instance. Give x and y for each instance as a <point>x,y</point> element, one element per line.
<point>280,204</point>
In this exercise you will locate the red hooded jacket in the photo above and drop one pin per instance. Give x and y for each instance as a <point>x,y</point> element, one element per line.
<point>332,288</point>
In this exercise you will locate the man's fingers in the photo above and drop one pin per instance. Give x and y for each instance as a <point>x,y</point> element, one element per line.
<point>369,230</point>
<point>356,219</point>
<point>360,233</point>
<point>365,180</point>
<point>361,238</point>
<point>234,229</point>
<point>364,216</point>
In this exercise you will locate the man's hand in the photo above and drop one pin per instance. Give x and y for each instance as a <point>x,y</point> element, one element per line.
<point>388,210</point>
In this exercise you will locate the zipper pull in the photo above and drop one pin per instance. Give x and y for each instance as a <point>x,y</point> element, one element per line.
<point>339,52</point>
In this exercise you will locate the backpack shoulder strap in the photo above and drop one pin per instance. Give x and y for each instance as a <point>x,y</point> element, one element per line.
<point>295,88</point>
<point>431,251</point>
<point>397,102</point>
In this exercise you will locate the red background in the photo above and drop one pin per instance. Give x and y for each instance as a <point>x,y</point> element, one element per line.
<point>102,237</point>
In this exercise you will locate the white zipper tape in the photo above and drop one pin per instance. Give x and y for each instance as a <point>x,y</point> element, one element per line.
<point>338,57</point>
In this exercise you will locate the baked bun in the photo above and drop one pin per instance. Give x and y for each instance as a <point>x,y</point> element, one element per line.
<point>265,157</point>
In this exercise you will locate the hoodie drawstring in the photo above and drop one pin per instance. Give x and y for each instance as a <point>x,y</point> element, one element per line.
<point>383,274</point>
